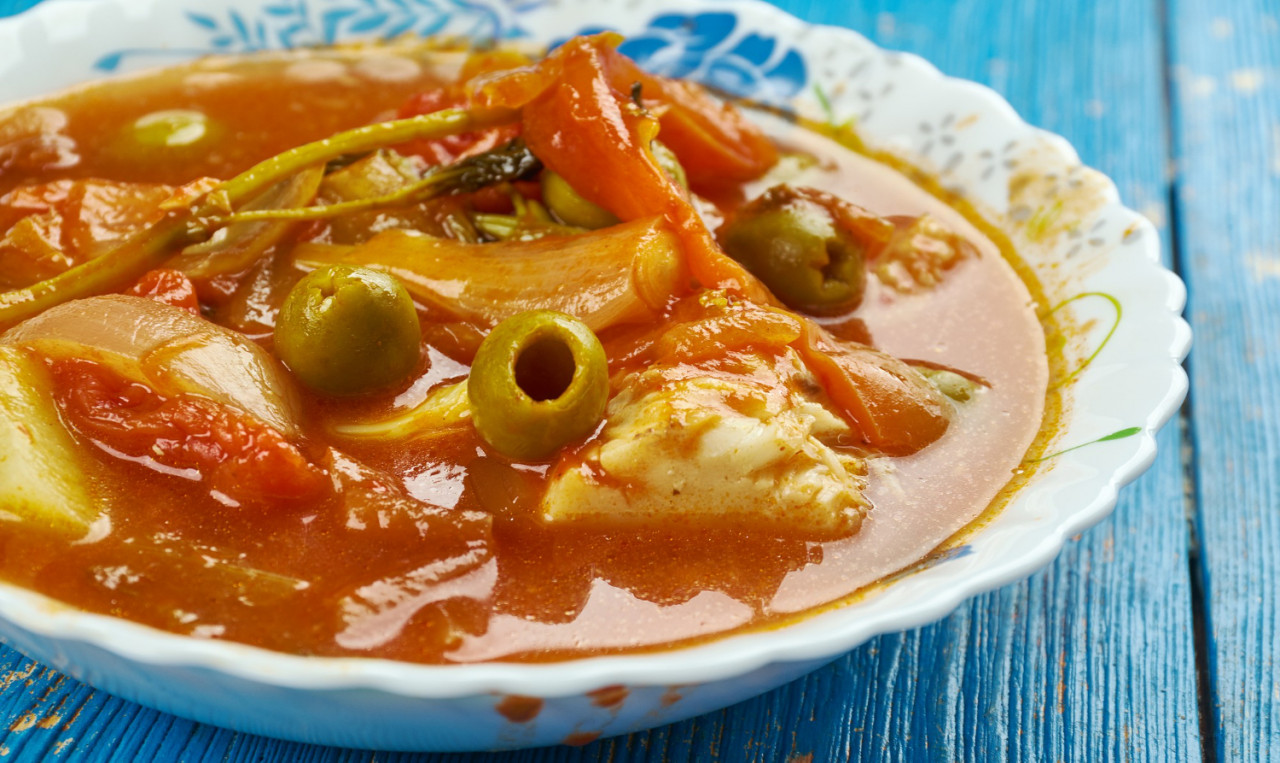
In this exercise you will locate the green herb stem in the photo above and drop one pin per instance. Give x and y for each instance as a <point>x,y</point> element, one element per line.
<point>152,246</point>
<point>438,124</point>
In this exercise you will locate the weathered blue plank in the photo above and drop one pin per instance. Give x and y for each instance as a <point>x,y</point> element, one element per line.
<point>1091,659</point>
<point>1226,60</point>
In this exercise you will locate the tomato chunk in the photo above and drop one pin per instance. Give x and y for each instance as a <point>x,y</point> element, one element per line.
<point>49,228</point>
<point>236,456</point>
<point>894,409</point>
<point>169,287</point>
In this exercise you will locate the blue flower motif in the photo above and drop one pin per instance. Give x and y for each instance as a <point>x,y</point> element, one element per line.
<point>710,48</point>
<point>677,45</point>
<point>293,23</point>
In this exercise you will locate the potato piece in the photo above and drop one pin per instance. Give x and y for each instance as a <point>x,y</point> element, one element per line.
<point>40,480</point>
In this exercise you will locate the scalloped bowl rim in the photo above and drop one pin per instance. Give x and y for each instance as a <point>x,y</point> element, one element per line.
<point>826,634</point>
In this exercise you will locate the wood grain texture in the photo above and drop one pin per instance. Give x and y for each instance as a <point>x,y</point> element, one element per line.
<point>1091,659</point>
<point>1226,60</point>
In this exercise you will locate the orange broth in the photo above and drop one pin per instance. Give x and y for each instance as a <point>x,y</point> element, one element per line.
<point>547,592</point>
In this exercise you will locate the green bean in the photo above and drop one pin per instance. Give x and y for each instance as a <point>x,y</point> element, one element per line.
<point>110,272</point>
<point>437,124</point>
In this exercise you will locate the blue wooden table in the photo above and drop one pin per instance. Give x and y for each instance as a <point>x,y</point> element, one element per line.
<point>1155,635</point>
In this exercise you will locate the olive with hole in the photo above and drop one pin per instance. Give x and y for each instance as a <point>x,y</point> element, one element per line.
<point>795,245</point>
<point>539,380</point>
<point>346,330</point>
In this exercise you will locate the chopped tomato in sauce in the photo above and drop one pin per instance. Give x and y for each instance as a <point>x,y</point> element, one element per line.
<point>243,459</point>
<point>170,287</point>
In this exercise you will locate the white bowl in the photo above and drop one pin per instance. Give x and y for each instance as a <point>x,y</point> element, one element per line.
<point>963,133</point>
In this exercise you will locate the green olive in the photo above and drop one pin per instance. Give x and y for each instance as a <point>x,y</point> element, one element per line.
<point>569,207</point>
<point>345,330</point>
<point>959,388</point>
<point>792,242</point>
<point>539,380</point>
<point>175,128</point>
<point>669,163</point>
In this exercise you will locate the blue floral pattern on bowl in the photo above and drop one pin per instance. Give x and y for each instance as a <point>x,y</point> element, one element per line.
<point>296,23</point>
<point>710,47</point>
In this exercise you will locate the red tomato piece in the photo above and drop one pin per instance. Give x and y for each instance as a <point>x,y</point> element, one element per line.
<point>451,149</point>
<point>49,228</point>
<point>894,409</point>
<point>170,287</point>
<point>237,456</point>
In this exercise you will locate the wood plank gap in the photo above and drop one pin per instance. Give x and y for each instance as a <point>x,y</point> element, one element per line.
<point>1198,579</point>
<point>1186,426</point>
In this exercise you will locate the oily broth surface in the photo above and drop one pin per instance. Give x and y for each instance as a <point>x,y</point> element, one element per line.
<point>981,319</point>
<point>546,594</point>
<point>263,105</point>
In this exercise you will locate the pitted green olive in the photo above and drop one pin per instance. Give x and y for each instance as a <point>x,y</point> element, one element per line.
<point>794,244</point>
<point>346,330</point>
<point>539,380</point>
<point>165,136</point>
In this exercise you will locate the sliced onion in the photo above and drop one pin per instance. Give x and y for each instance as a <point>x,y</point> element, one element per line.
<point>168,348</point>
<point>622,274</point>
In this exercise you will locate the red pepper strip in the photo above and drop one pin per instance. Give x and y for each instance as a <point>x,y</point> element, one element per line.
<point>586,128</point>
<point>238,456</point>
<point>169,287</point>
<point>717,146</point>
<point>896,410</point>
